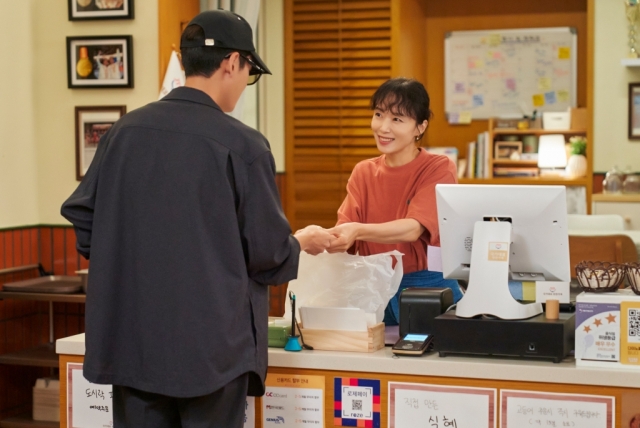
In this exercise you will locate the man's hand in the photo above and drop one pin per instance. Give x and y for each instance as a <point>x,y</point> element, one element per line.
<point>344,237</point>
<point>313,239</point>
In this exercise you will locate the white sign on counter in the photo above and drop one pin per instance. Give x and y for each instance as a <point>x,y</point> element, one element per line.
<point>293,401</point>
<point>89,405</point>
<point>545,409</point>
<point>250,413</point>
<point>413,404</point>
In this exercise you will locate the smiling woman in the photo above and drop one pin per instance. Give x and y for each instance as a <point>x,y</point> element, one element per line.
<point>390,203</point>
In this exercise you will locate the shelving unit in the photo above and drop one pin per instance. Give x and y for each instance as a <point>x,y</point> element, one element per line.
<point>40,356</point>
<point>495,134</point>
<point>630,62</point>
<point>26,421</point>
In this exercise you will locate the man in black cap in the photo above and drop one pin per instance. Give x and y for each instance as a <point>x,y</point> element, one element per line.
<point>181,218</point>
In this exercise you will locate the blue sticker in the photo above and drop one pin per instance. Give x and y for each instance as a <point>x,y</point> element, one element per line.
<point>550,97</point>
<point>478,100</point>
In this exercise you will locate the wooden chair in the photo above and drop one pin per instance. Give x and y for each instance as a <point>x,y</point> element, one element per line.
<point>603,248</point>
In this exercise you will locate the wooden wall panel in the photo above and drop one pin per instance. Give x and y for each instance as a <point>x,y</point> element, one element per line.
<point>338,52</point>
<point>173,16</point>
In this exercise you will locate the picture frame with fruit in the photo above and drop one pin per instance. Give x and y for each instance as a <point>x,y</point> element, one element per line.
<point>100,62</point>
<point>81,10</point>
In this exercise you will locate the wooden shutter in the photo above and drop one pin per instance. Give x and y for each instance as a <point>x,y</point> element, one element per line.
<point>338,53</point>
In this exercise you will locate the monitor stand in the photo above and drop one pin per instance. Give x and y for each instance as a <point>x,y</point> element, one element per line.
<point>488,290</point>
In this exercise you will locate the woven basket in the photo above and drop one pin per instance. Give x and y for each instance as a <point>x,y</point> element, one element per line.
<point>600,277</point>
<point>633,276</point>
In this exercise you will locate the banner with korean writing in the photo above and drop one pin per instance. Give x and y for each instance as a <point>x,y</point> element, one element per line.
<point>529,408</point>
<point>88,405</point>
<point>293,401</point>
<point>438,406</point>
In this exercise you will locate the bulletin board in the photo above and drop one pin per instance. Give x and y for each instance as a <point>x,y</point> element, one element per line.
<point>509,73</point>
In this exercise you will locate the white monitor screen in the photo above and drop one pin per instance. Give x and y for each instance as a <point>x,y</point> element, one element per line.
<point>538,214</point>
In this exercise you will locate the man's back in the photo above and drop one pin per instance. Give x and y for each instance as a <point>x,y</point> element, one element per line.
<point>185,231</point>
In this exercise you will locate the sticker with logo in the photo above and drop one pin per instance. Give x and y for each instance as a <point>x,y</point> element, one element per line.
<point>498,251</point>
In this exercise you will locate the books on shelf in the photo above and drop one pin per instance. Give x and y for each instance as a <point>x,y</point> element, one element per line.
<point>478,154</point>
<point>450,152</point>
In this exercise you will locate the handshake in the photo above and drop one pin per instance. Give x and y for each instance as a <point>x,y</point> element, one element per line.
<point>315,239</point>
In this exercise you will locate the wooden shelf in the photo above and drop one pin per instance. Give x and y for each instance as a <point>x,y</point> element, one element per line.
<point>26,421</point>
<point>526,180</point>
<point>630,62</point>
<point>47,297</point>
<point>40,356</point>
<point>514,131</point>
<point>616,197</point>
<point>509,162</point>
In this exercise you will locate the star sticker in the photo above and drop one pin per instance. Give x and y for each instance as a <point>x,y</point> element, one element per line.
<point>587,329</point>
<point>597,322</point>
<point>611,318</point>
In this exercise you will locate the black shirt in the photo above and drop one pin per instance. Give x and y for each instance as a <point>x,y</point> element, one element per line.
<point>181,218</point>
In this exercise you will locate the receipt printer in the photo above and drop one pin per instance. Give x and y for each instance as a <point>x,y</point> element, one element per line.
<point>419,306</point>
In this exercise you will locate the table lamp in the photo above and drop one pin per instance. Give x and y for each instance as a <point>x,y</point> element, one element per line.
<point>551,154</point>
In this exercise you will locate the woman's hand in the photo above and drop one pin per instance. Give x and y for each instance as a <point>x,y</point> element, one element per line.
<point>344,237</point>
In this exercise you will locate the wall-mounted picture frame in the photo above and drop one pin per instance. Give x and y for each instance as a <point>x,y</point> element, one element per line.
<point>100,62</point>
<point>92,122</point>
<point>80,10</point>
<point>504,150</point>
<point>634,111</point>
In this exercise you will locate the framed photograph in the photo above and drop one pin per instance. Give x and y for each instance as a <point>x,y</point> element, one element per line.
<point>100,62</point>
<point>634,111</point>
<point>505,149</point>
<point>80,10</point>
<point>92,122</point>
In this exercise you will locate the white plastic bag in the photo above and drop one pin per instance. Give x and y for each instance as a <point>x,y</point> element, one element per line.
<point>347,281</point>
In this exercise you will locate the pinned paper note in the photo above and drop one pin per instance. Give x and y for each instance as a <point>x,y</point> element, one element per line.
<point>538,100</point>
<point>544,83</point>
<point>291,398</point>
<point>478,100</point>
<point>495,39</point>
<point>88,404</point>
<point>550,97</point>
<point>458,88</point>
<point>563,95</point>
<point>510,83</point>
<point>464,117</point>
<point>564,52</point>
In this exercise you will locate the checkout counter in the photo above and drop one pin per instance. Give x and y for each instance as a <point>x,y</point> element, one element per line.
<point>494,373</point>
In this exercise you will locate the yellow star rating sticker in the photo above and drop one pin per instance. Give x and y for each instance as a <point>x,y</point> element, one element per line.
<point>587,329</point>
<point>611,318</point>
<point>597,322</point>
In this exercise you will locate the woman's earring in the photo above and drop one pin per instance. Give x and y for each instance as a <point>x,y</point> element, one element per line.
<point>417,138</point>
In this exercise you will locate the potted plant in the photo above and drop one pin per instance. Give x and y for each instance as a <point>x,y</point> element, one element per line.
<point>577,163</point>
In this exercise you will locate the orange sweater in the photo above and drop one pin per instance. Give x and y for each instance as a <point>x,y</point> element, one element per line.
<point>377,193</point>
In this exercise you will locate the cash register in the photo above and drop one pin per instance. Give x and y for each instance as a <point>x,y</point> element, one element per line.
<point>490,234</point>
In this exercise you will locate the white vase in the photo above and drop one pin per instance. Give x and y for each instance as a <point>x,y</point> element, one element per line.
<point>576,166</point>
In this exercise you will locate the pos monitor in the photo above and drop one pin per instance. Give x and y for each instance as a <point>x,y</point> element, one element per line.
<point>490,233</point>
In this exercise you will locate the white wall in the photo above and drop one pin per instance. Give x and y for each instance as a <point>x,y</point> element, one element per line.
<point>611,85</point>
<point>54,103</point>
<point>18,169</point>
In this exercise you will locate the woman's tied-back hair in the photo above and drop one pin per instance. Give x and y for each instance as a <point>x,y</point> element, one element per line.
<point>403,97</point>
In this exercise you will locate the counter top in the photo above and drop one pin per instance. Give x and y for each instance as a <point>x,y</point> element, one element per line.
<point>383,361</point>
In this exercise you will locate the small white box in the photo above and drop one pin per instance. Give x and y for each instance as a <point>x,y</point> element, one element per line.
<point>598,328</point>
<point>556,121</point>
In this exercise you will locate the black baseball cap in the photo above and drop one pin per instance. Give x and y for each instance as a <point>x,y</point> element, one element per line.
<point>225,29</point>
